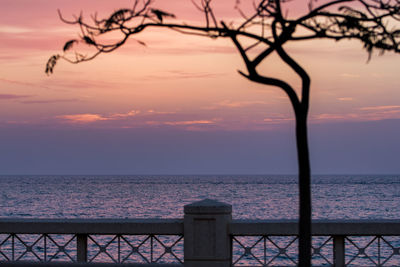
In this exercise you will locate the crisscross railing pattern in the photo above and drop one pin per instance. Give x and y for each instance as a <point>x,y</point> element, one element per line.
<point>133,248</point>
<point>373,251</point>
<point>264,250</point>
<point>92,240</point>
<point>281,251</point>
<point>39,247</point>
<point>100,248</point>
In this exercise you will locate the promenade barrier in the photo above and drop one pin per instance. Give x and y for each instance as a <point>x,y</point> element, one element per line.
<point>206,236</point>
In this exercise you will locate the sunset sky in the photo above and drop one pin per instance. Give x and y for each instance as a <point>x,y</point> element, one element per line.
<point>179,106</point>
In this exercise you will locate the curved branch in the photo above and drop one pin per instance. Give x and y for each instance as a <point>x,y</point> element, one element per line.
<point>233,35</point>
<point>305,78</point>
<point>291,93</point>
<point>254,76</point>
<point>263,55</point>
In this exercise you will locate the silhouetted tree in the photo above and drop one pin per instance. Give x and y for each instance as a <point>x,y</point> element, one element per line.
<point>262,32</point>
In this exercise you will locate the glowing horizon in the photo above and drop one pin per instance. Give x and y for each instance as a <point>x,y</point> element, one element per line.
<point>184,77</point>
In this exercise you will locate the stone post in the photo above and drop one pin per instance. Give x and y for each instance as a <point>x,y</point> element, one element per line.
<point>206,231</point>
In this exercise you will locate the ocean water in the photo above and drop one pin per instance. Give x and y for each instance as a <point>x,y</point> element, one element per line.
<point>252,197</point>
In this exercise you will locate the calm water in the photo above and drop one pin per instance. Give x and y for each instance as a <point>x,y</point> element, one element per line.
<point>255,197</point>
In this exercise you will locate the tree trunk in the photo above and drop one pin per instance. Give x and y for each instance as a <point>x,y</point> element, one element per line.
<point>304,190</point>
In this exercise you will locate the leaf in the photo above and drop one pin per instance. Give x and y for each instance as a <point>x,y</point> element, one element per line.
<point>120,14</point>
<point>88,40</point>
<point>141,42</point>
<point>161,14</point>
<point>116,16</point>
<point>51,63</point>
<point>68,45</point>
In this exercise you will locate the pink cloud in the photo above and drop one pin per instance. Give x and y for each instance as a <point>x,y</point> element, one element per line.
<point>239,104</point>
<point>381,107</point>
<point>176,74</point>
<point>28,84</point>
<point>49,101</point>
<point>195,122</point>
<point>278,120</point>
<point>12,96</point>
<point>181,123</point>
<point>367,114</point>
<point>330,116</point>
<point>233,104</point>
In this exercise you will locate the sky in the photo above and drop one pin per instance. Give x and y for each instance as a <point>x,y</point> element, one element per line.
<point>178,104</point>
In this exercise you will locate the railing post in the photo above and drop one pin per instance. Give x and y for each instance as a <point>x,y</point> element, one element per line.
<point>338,251</point>
<point>207,240</point>
<point>81,247</point>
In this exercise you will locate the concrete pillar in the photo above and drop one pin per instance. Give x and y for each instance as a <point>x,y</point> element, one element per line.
<point>207,240</point>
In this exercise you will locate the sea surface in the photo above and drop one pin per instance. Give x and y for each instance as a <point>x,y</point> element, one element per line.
<point>252,196</point>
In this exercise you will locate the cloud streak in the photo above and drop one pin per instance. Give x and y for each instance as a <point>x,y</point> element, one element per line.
<point>234,104</point>
<point>185,123</point>
<point>29,84</point>
<point>381,108</point>
<point>177,74</point>
<point>12,96</point>
<point>345,98</point>
<point>240,104</point>
<point>85,118</point>
<point>50,101</point>
<point>374,113</point>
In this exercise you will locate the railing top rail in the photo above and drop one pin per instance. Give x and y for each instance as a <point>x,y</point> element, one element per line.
<point>92,226</point>
<point>319,227</point>
<point>175,226</point>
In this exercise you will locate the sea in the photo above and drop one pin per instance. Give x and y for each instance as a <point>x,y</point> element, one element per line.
<point>336,197</point>
<point>163,196</point>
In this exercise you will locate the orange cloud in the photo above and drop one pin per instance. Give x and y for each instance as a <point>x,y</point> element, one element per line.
<point>90,117</point>
<point>345,98</point>
<point>124,115</point>
<point>83,118</point>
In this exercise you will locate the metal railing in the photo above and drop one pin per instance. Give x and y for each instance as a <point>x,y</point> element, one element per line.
<point>335,243</point>
<point>92,240</point>
<point>207,236</point>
